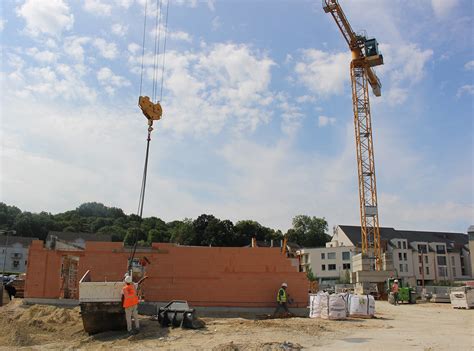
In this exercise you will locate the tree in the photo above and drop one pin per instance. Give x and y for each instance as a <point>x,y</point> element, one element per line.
<point>309,231</point>
<point>182,232</point>
<point>310,275</point>
<point>8,215</point>
<point>158,235</point>
<point>134,234</point>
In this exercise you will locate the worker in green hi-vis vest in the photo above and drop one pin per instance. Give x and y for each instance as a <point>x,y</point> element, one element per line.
<point>282,299</point>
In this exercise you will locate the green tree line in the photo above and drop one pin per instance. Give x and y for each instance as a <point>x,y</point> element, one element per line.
<point>205,230</point>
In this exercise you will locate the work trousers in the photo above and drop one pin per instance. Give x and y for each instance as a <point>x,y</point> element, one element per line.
<point>281,305</point>
<point>395,297</point>
<point>130,312</point>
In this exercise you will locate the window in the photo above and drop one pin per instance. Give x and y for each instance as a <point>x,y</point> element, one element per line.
<point>405,256</point>
<point>323,255</point>
<point>400,256</point>
<point>331,255</point>
<point>442,271</point>
<point>16,264</point>
<point>454,272</point>
<point>426,259</point>
<point>346,266</point>
<point>440,249</point>
<point>422,249</point>
<point>427,270</point>
<point>421,270</point>
<point>452,261</point>
<point>399,244</point>
<point>420,260</point>
<point>401,267</point>
<point>441,260</point>
<point>404,244</point>
<point>331,267</point>
<point>346,256</point>
<point>406,267</point>
<point>323,267</point>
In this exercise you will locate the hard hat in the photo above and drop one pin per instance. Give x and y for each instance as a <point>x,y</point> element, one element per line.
<point>128,279</point>
<point>284,285</point>
<point>395,281</point>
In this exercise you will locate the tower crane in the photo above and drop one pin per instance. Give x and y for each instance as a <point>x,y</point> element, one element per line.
<point>365,55</point>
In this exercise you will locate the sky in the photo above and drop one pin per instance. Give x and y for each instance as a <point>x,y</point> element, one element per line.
<point>257,120</point>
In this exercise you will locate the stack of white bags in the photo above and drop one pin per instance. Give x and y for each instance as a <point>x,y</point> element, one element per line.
<point>339,306</point>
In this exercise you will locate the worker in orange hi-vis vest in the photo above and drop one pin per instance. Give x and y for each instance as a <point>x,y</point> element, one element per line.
<point>130,303</point>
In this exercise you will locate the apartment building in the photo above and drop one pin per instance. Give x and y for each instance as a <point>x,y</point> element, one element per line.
<point>418,255</point>
<point>14,253</point>
<point>329,264</point>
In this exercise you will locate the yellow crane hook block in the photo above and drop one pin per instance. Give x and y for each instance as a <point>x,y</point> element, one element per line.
<point>151,111</point>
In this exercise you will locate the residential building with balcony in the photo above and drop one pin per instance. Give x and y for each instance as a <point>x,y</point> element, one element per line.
<point>418,255</point>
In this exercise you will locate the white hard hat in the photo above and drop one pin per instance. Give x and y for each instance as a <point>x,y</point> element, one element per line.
<point>128,279</point>
<point>284,285</point>
<point>395,281</point>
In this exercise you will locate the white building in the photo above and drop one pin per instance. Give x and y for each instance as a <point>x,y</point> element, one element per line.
<point>418,255</point>
<point>14,253</point>
<point>329,264</point>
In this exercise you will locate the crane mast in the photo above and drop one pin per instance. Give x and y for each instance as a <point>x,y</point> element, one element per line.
<point>365,55</point>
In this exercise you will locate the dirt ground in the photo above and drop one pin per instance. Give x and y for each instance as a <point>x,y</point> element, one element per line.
<point>406,327</point>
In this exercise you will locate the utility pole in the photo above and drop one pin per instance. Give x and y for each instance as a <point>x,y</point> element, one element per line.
<point>422,270</point>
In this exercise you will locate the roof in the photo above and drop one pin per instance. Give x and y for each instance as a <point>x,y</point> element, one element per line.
<point>15,239</point>
<point>70,236</point>
<point>457,239</point>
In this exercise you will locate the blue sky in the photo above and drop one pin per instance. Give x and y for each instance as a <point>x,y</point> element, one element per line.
<point>257,110</point>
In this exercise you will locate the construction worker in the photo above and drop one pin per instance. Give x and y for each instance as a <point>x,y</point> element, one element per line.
<point>10,290</point>
<point>282,299</point>
<point>130,303</point>
<point>395,291</point>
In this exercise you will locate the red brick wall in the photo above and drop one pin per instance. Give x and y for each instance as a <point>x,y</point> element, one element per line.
<point>204,276</point>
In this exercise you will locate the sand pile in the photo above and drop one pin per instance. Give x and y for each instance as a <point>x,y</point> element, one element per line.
<point>22,325</point>
<point>268,346</point>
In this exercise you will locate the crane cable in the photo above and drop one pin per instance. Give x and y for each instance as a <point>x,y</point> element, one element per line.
<point>158,29</point>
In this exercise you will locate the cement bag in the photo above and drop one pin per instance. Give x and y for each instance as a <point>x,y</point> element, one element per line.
<point>315,305</point>
<point>333,307</point>
<point>361,306</point>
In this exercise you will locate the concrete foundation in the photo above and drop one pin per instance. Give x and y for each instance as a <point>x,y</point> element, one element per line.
<point>151,308</point>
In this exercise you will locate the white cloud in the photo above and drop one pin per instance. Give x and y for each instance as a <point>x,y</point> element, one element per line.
<point>216,23</point>
<point>305,99</point>
<point>49,17</point>
<point>134,48</point>
<point>180,35</point>
<point>189,3</point>
<point>469,66</point>
<point>119,29</point>
<point>2,24</point>
<point>404,64</point>
<point>97,7</point>
<point>442,8</point>
<point>291,115</point>
<point>323,73</point>
<point>222,83</point>
<point>211,4</point>
<point>73,46</point>
<point>324,121</point>
<point>467,89</point>
<point>396,96</point>
<point>111,81</point>
<point>45,56</point>
<point>124,3</point>
<point>106,50</point>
